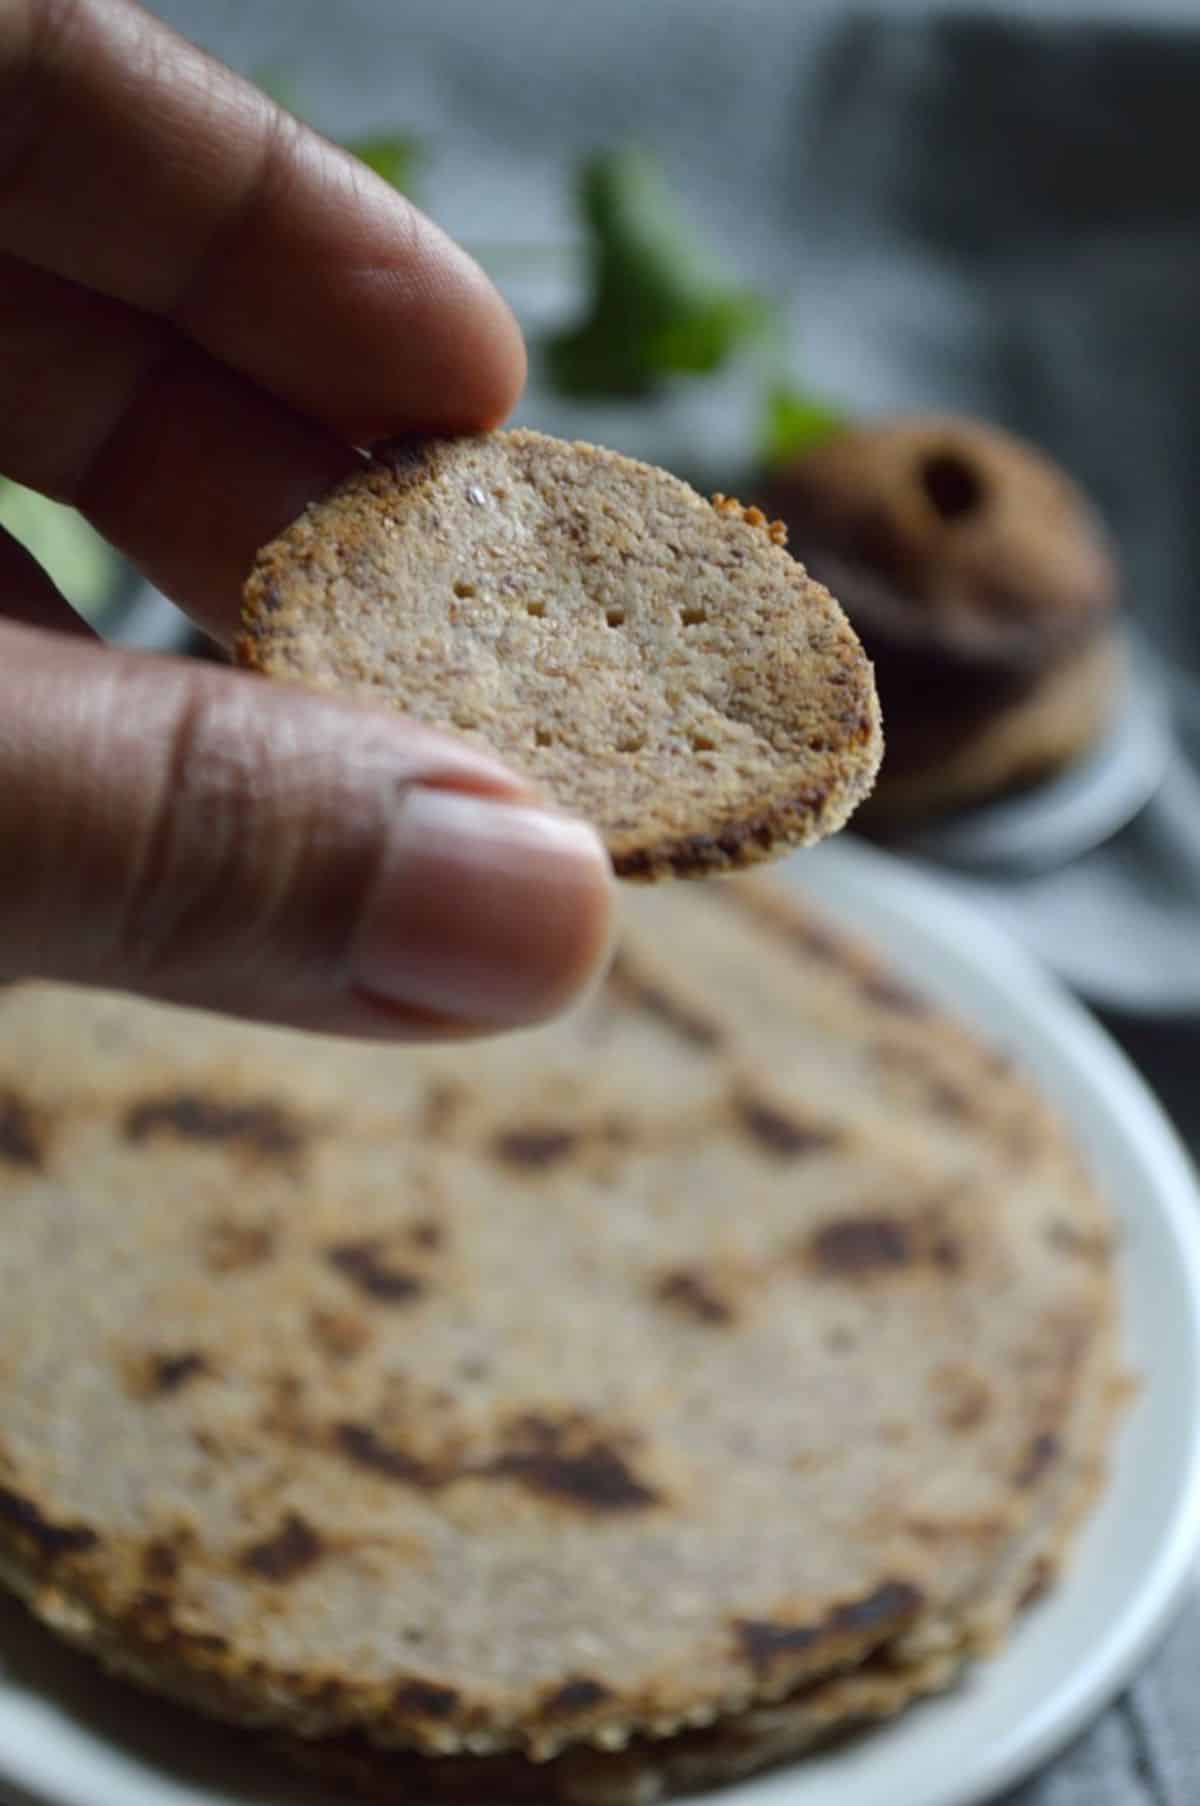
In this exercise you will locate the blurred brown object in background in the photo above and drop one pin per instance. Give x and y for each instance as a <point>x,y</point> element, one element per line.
<point>984,588</point>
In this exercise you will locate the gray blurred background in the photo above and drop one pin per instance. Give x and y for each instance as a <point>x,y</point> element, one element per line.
<point>992,209</point>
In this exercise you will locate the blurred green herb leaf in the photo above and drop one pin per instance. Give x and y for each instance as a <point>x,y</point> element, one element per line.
<point>660,304</point>
<point>81,564</point>
<point>394,157</point>
<point>793,422</point>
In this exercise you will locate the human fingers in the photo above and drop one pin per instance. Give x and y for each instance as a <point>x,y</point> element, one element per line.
<point>198,835</point>
<point>133,164</point>
<point>182,463</point>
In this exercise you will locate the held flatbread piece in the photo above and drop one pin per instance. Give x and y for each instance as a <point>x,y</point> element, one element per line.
<point>659,665</point>
<point>651,1395</point>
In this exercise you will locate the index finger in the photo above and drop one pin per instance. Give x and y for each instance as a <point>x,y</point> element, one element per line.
<point>132,163</point>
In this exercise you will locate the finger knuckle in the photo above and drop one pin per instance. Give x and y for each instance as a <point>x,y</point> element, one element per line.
<point>182,860</point>
<point>253,858</point>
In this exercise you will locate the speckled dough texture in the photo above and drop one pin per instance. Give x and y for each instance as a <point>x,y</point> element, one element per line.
<point>647,1395</point>
<point>658,664</point>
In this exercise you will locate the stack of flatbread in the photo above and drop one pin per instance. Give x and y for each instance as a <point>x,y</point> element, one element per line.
<point>584,1416</point>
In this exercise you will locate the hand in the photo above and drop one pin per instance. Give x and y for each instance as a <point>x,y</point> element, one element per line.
<point>203,308</point>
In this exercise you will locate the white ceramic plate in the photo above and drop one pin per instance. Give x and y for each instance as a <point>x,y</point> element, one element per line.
<point>72,1739</point>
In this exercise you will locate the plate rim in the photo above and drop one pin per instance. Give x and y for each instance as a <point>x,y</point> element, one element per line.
<point>868,891</point>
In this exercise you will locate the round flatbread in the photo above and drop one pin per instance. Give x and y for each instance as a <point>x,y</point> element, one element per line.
<point>659,665</point>
<point>742,1341</point>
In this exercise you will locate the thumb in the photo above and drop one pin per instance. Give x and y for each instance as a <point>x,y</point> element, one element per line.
<point>209,838</point>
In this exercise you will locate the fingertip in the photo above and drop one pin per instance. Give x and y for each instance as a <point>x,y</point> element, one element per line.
<point>501,364</point>
<point>484,912</point>
<point>473,363</point>
<point>587,906</point>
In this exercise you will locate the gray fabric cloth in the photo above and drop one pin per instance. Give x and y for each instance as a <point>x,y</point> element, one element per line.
<point>1145,1751</point>
<point>991,210</point>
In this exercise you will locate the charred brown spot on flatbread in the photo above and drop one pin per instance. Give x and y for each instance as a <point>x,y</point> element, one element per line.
<point>1039,1581</point>
<point>171,1372</point>
<point>779,1134</point>
<point>883,1612</point>
<point>50,1540</point>
<point>794,930</point>
<point>427,1234</point>
<point>424,1699</point>
<point>630,985</point>
<point>580,1694</point>
<point>153,1617</point>
<point>535,1148</point>
<point>983,1528</point>
<point>444,1103</point>
<point>564,1460</point>
<point>880,987</point>
<point>261,1127</point>
<point>962,1396</point>
<point>889,1607</point>
<point>744,843</point>
<point>696,1294</point>
<point>1042,1453</point>
<point>285,1413</point>
<point>920,1069</point>
<point>949,1100</point>
<point>567,1460</point>
<point>340,1335</point>
<point>21,1133</point>
<point>160,1373</point>
<point>291,1550</point>
<point>946,1252</point>
<point>161,1562</point>
<point>329,1691</point>
<point>362,1446</point>
<point>825,951</point>
<point>1094,1246</point>
<point>595,1477</point>
<point>233,1246</point>
<point>862,1248</point>
<point>366,1266</point>
<point>856,1246</point>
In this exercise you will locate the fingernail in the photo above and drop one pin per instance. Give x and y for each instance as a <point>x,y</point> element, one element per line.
<point>484,911</point>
